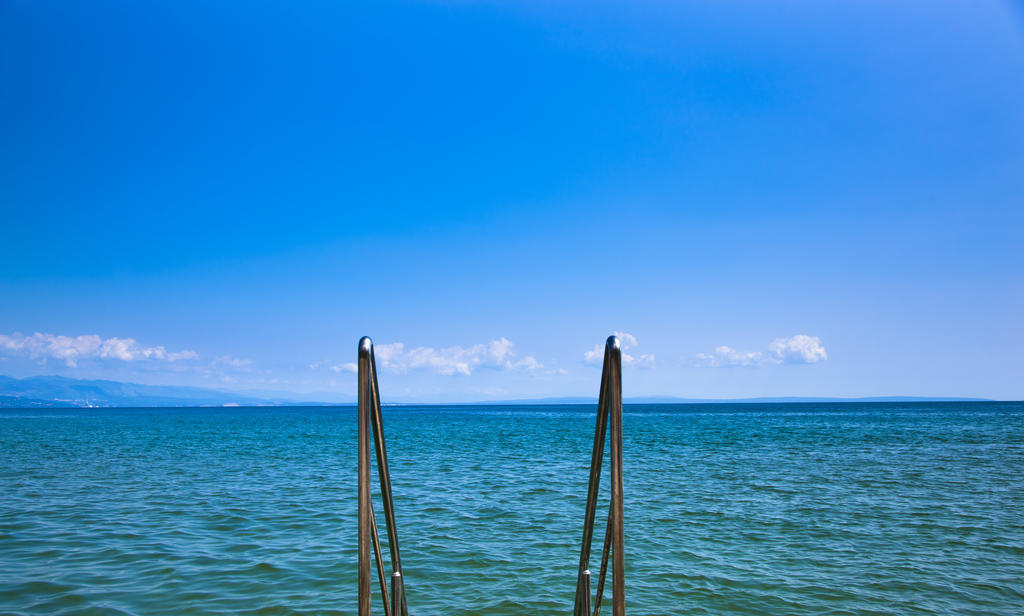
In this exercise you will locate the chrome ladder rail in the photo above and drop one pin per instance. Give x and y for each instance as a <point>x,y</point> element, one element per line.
<point>609,419</point>
<point>370,419</point>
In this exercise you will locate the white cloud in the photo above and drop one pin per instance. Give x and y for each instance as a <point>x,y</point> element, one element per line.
<point>349,367</point>
<point>728,356</point>
<point>798,349</point>
<point>497,354</point>
<point>388,354</point>
<point>594,356</point>
<point>627,341</point>
<point>643,360</point>
<point>234,362</point>
<point>71,349</point>
<point>527,363</point>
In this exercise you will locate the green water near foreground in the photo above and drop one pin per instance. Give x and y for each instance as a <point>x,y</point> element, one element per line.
<point>730,509</point>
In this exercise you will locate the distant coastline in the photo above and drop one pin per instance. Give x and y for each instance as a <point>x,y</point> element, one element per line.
<point>63,392</point>
<point>758,400</point>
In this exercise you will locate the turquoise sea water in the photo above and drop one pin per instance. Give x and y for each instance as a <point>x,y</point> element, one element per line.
<point>730,509</point>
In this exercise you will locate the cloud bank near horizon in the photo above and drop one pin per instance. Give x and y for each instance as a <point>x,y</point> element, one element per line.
<point>497,354</point>
<point>71,349</point>
<point>106,356</point>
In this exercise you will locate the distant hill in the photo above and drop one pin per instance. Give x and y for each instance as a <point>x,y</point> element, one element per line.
<point>58,392</point>
<point>765,400</point>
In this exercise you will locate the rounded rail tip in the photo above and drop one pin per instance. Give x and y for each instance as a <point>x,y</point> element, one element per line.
<point>396,574</point>
<point>613,342</point>
<point>365,345</point>
<point>586,573</point>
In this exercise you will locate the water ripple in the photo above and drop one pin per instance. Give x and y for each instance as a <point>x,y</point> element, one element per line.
<point>746,509</point>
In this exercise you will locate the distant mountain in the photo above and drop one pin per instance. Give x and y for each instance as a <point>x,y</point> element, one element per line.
<point>767,400</point>
<point>58,391</point>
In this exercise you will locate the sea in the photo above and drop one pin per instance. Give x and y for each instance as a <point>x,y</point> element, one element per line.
<point>859,508</point>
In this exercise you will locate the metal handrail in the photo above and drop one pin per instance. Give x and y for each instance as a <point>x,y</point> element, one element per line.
<point>370,419</point>
<point>609,419</point>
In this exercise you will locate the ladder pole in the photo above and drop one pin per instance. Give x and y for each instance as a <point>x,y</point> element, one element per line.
<point>365,507</point>
<point>617,507</point>
<point>605,551</point>
<point>382,467</point>
<point>384,475</point>
<point>609,419</point>
<point>397,594</point>
<point>596,458</point>
<point>380,561</point>
<point>586,593</point>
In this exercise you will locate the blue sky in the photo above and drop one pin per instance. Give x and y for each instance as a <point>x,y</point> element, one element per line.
<point>799,198</point>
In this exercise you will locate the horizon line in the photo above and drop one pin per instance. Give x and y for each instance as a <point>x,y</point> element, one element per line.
<point>190,395</point>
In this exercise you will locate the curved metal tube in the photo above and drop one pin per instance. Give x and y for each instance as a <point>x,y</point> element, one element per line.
<point>609,418</point>
<point>371,420</point>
